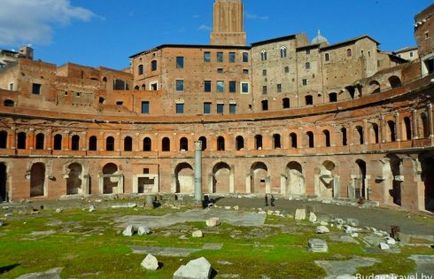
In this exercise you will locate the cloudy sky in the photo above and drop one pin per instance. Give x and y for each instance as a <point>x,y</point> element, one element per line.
<point>106,32</point>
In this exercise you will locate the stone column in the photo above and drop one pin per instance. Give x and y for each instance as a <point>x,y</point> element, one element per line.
<point>12,142</point>
<point>414,124</point>
<point>31,139</point>
<point>430,121</point>
<point>381,132</point>
<point>49,139</point>
<point>397,127</point>
<point>198,171</point>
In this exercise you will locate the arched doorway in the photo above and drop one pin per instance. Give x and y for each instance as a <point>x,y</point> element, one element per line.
<point>259,177</point>
<point>221,175</point>
<point>74,180</point>
<point>359,190</point>
<point>109,183</point>
<point>295,179</point>
<point>392,179</point>
<point>326,181</point>
<point>184,176</point>
<point>3,183</point>
<point>427,163</point>
<point>37,180</point>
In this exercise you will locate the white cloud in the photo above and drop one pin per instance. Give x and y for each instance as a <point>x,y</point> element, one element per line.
<point>32,21</point>
<point>204,27</point>
<point>255,16</point>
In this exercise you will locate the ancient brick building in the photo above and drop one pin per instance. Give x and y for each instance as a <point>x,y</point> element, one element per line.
<point>287,116</point>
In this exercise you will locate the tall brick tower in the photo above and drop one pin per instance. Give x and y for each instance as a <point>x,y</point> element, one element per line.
<point>228,27</point>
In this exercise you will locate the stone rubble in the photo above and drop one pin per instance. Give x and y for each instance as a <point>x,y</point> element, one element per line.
<point>195,269</point>
<point>197,234</point>
<point>150,262</point>
<point>300,214</point>
<point>213,222</point>
<point>128,231</point>
<point>143,230</point>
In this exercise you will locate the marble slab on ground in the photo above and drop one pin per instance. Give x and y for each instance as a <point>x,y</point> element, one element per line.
<point>424,264</point>
<point>212,246</point>
<point>50,274</point>
<point>336,268</point>
<point>164,251</point>
<point>237,218</point>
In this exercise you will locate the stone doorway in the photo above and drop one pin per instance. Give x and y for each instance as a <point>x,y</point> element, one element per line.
<point>327,186</point>
<point>259,178</point>
<point>3,183</point>
<point>184,176</point>
<point>427,175</point>
<point>295,180</point>
<point>74,181</point>
<point>222,177</point>
<point>359,181</point>
<point>37,180</point>
<point>110,181</point>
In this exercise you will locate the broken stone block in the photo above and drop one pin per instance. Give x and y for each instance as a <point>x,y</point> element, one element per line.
<point>322,230</point>
<point>312,217</point>
<point>49,274</point>
<point>142,230</point>
<point>353,222</point>
<point>213,222</point>
<point>236,207</point>
<point>390,241</point>
<point>197,234</point>
<point>129,231</point>
<point>384,246</point>
<point>150,263</point>
<point>300,214</point>
<point>318,246</point>
<point>92,208</point>
<point>195,269</point>
<point>59,210</point>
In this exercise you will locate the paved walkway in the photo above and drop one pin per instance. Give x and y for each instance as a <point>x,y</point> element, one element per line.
<point>380,218</point>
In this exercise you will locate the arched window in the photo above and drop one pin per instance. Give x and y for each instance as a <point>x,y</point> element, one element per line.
<point>263,55</point>
<point>21,140</point>
<point>344,136</point>
<point>277,143</point>
<point>392,130</point>
<point>408,132</point>
<point>286,103</point>
<point>349,52</point>
<point>258,142</point>
<point>283,52</point>
<point>310,139</point>
<point>165,144</point>
<point>40,141</point>
<point>93,145</point>
<point>8,103</point>
<point>75,143</point>
<point>220,144</point>
<point>239,143</point>
<point>128,144</point>
<point>333,97</point>
<point>57,145</point>
<point>360,135</point>
<point>204,143</point>
<point>374,87</point>
<point>395,82</point>
<point>425,126</point>
<point>293,139</point>
<point>110,144</point>
<point>375,135</point>
<point>147,144</point>
<point>137,88</point>
<point>327,57</point>
<point>140,70</point>
<point>183,144</point>
<point>3,139</point>
<point>154,65</point>
<point>327,141</point>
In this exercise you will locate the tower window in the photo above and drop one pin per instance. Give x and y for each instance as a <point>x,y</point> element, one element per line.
<point>36,88</point>
<point>219,56</point>
<point>207,56</point>
<point>180,62</point>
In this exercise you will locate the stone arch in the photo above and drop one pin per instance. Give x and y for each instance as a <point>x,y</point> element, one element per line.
<point>427,176</point>
<point>374,133</point>
<point>374,87</point>
<point>40,141</point>
<point>37,180</point>
<point>326,182</point>
<point>21,140</point>
<point>74,180</point>
<point>57,145</point>
<point>109,182</point>
<point>395,82</point>
<point>3,139</point>
<point>8,103</point>
<point>295,179</point>
<point>239,142</point>
<point>184,176</point>
<point>110,143</point>
<point>147,144</point>
<point>222,178</point>
<point>3,183</point>
<point>259,178</point>
<point>128,144</point>
<point>183,144</point>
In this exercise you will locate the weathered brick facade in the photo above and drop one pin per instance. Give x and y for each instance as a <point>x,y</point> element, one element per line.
<point>367,132</point>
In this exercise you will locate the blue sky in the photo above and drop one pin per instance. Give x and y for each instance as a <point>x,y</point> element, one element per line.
<point>107,32</point>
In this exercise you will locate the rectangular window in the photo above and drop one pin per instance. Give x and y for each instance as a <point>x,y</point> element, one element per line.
<point>219,56</point>
<point>220,70</point>
<point>245,57</point>
<point>264,72</point>
<point>207,86</point>
<point>232,57</point>
<point>207,56</point>
<point>179,85</point>
<point>279,88</point>
<point>180,62</point>
<point>264,104</point>
<point>245,87</point>
<point>220,86</point>
<point>206,108</point>
<point>264,90</point>
<point>246,71</point>
<point>232,86</point>
<point>304,82</point>
<point>286,69</point>
<point>36,88</point>
<point>220,108</point>
<point>11,86</point>
<point>145,107</point>
<point>232,108</point>
<point>179,108</point>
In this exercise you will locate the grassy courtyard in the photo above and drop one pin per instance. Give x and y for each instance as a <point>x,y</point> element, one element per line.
<point>90,245</point>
